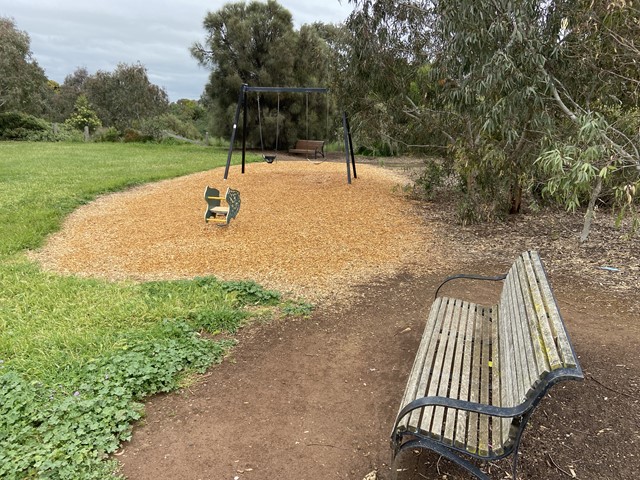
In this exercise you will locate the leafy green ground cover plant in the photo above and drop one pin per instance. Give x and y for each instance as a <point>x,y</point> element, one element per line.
<point>78,355</point>
<point>54,431</point>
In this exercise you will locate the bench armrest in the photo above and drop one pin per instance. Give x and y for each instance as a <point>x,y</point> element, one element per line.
<point>493,410</point>
<point>475,407</point>
<point>497,278</point>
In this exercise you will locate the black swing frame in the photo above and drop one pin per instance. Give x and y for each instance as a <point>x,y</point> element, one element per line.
<point>242,106</point>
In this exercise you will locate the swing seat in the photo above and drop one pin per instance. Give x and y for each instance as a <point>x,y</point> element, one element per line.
<point>269,158</point>
<point>218,213</point>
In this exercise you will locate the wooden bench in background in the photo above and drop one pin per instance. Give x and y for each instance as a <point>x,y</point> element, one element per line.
<point>308,148</point>
<point>480,371</point>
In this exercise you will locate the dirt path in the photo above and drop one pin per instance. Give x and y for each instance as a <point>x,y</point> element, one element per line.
<point>285,405</point>
<point>315,399</point>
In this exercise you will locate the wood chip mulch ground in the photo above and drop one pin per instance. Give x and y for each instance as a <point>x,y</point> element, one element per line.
<point>301,229</point>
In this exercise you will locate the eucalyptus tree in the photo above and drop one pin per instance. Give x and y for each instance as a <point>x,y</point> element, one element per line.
<point>529,91</point>
<point>491,58</point>
<point>67,94</point>
<point>596,88</point>
<point>23,83</point>
<point>125,97</point>
<point>381,54</point>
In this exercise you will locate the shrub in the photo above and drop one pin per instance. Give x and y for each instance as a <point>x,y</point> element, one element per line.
<point>111,134</point>
<point>61,133</point>
<point>21,126</point>
<point>131,135</point>
<point>83,115</point>
<point>435,173</point>
<point>155,127</point>
<point>18,126</point>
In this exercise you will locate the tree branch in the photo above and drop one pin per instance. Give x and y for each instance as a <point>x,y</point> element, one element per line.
<point>617,148</point>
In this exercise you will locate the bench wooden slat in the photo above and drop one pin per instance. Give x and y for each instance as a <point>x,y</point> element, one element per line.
<point>438,363</point>
<point>474,388</point>
<point>557,327</point>
<point>446,381</point>
<point>527,321</point>
<point>507,375</point>
<point>485,383</point>
<point>537,339</point>
<point>543,320</point>
<point>523,376</point>
<point>465,376</point>
<point>497,438</point>
<point>507,352</point>
<point>514,373</point>
<point>457,373</point>
<point>417,383</point>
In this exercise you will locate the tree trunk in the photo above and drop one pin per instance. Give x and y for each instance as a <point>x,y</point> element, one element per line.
<point>588,217</point>
<point>516,198</point>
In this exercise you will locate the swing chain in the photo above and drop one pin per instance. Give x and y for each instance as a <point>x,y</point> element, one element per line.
<point>260,126</point>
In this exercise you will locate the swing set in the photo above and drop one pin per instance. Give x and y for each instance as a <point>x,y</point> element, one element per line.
<point>312,146</point>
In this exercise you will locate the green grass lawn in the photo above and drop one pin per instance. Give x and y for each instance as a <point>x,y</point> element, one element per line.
<point>76,355</point>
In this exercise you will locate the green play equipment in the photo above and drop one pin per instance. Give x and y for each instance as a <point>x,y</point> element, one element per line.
<point>217,211</point>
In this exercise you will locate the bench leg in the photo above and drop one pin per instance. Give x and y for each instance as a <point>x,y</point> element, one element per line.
<point>456,458</point>
<point>514,465</point>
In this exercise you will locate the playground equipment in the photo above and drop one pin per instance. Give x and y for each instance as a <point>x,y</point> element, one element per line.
<point>216,211</point>
<point>269,158</point>
<point>242,106</point>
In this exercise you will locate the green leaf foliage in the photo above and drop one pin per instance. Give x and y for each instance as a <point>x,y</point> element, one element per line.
<point>83,116</point>
<point>23,83</point>
<point>65,431</point>
<point>506,82</point>
<point>256,43</point>
<point>251,293</point>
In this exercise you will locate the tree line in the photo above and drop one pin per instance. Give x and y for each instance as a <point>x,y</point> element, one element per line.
<point>122,103</point>
<point>519,102</point>
<point>524,102</point>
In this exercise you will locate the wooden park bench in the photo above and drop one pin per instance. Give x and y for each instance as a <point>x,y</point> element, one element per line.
<point>480,371</point>
<point>217,212</point>
<point>308,148</point>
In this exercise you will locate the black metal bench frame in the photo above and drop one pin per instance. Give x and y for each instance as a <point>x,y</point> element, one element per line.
<point>520,414</point>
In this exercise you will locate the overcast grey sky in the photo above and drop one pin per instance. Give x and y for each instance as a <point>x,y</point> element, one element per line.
<point>97,35</point>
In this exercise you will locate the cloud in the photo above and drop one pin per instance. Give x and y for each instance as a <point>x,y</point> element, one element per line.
<point>67,34</point>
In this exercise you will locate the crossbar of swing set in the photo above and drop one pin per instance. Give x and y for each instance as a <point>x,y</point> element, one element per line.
<point>242,103</point>
<point>286,89</point>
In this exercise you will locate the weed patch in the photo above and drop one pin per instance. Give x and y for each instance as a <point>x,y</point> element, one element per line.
<point>66,431</point>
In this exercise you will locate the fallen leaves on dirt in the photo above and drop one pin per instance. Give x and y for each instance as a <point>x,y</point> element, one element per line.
<point>610,258</point>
